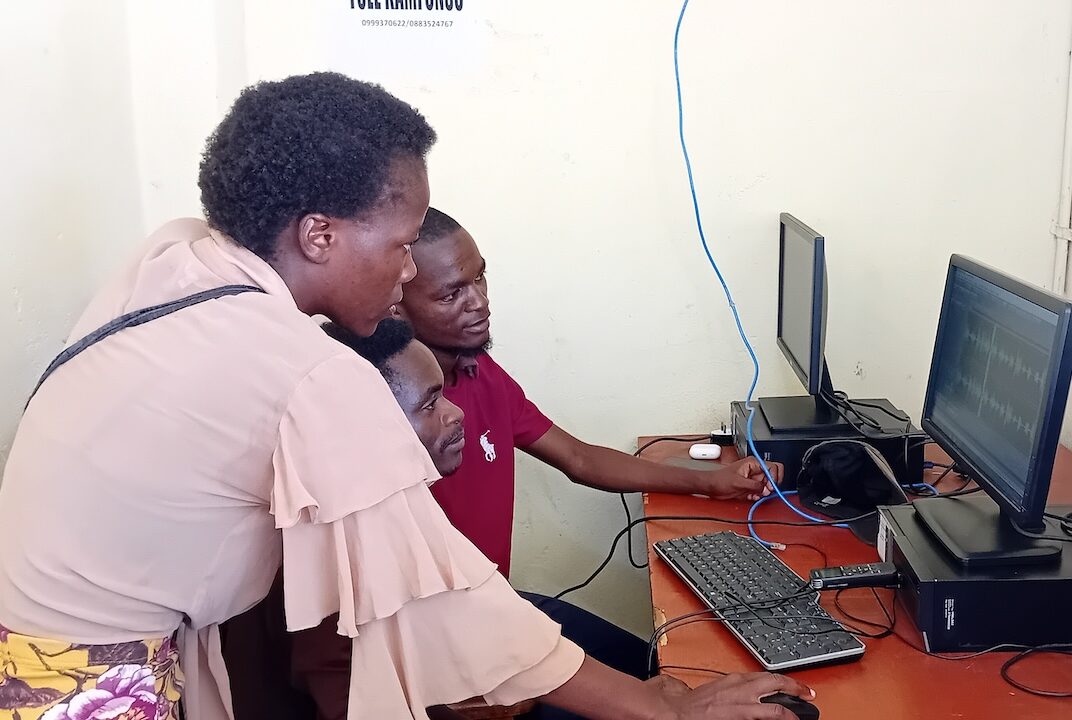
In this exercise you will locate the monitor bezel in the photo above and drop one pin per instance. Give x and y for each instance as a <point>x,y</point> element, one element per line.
<point>1028,511</point>
<point>812,376</point>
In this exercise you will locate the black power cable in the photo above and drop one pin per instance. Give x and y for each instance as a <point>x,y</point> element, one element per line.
<point>629,538</point>
<point>692,669</point>
<point>884,630</point>
<point>1043,536</point>
<point>1055,648</point>
<point>896,416</point>
<point>1064,520</point>
<point>625,504</point>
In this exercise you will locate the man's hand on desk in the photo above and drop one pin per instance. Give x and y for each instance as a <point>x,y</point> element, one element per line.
<point>733,697</point>
<point>743,479</point>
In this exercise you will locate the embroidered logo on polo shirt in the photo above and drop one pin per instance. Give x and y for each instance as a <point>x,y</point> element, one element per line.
<point>489,447</point>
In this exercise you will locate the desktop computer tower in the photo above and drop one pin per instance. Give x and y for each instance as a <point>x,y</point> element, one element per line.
<point>905,455</point>
<point>958,609</point>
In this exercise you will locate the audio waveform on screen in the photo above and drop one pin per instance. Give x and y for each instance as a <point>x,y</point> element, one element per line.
<point>1000,377</point>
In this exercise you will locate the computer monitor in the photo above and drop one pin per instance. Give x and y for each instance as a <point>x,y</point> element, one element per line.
<point>995,403</point>
<point>802,330</point>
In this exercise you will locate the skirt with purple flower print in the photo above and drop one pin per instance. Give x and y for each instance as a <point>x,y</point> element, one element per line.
<point>50,680</point>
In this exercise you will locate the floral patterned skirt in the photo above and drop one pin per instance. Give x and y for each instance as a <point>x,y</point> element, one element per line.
<point>49,680</point>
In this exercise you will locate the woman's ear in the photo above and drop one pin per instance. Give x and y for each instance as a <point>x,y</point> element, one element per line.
<point>316,237</point>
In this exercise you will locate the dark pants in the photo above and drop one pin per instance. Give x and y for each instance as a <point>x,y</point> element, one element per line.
<point>600,639</point>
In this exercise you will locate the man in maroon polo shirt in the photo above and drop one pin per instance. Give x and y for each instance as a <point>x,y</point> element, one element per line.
<point>447,306</point>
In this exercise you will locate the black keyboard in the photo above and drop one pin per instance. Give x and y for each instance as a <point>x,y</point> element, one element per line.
<point>765,604</point>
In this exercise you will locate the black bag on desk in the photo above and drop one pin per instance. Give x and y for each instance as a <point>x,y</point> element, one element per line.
<point>847,478</point>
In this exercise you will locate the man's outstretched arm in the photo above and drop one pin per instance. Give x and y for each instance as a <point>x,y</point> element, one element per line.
<point>608,469</point>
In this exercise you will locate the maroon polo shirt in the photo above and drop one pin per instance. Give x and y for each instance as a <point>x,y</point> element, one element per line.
<point>479,498</point>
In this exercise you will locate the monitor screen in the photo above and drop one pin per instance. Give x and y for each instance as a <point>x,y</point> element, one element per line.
<point>801,310</point>
<point>990,399</point>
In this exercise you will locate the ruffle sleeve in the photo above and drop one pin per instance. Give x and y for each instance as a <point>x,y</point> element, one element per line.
<point>484,641</point>
<point>431,620</point>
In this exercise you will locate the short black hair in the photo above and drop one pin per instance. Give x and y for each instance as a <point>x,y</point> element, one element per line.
<point>309,143</point>
<point>392,336</point>
<point>438,225</point>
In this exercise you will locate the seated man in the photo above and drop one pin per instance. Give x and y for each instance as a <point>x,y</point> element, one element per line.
<point>306,675</point>
<point>447,305</point>
<point>320,658</point>
<point>412,373</point>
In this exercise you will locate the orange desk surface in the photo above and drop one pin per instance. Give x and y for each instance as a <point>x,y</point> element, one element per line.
<point>893,681</point>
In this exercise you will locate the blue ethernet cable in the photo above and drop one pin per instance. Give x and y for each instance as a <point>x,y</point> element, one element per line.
<point>729,297</point>
<point>752,512</point>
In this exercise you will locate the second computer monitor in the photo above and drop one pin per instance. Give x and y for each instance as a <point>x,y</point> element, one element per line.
<point>802,331</point>
<point>802,300</point>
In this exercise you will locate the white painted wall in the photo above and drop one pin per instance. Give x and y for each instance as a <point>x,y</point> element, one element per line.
<point>188,63</point>
<point>69,186</point>
<point>904,132</point>
<point>107,106</point>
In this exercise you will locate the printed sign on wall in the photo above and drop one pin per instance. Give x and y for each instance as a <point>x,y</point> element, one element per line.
<point>412,42</point>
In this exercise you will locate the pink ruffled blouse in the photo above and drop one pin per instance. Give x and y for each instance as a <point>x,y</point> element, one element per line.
<point>158,479</point>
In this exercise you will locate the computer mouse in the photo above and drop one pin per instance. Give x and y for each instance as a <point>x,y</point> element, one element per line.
<point>803,709</point>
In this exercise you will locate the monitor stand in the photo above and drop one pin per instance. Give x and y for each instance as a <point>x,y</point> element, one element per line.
<point>801,412</point>
<point>975,532</point>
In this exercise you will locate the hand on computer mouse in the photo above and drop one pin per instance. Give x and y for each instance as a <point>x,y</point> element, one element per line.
<point>733,697</point>
<point>743,479</point>
<point>801,709</point>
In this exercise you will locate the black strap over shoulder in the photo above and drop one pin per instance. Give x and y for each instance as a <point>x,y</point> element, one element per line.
<point>137,317</point>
